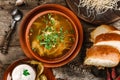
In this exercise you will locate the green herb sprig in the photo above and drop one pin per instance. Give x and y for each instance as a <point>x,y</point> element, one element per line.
<point>50,38</point>
<point>25,72</point>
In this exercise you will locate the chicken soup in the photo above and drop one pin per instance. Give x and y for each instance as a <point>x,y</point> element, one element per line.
<point>51,35</point>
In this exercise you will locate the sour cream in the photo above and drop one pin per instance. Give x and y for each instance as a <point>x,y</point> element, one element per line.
<point>23,72</point>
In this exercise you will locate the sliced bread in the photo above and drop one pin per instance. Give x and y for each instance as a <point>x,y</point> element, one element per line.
<point>102,56</point>
<point>101,30</point>
<point>110,39</point>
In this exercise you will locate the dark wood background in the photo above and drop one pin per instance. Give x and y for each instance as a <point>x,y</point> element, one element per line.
<point>74,70</point>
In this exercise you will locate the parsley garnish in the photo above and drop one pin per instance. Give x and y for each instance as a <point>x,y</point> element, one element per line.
<point>25,72</point>
<point>50,36</point>
<point>49,16</point>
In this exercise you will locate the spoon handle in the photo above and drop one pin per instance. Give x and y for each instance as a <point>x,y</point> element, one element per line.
<point>7,39</point>
<point>6,42</point>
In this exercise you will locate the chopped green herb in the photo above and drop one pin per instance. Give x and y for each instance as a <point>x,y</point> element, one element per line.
<point>39,37</point>
<point>26,73</point>
<point>52,22</point>
<point>34,49</point>
<point>48,28</point>
<point>49,16</point>
<point>48,46</point>
<point>50,37</point>
<point>61,29</point>
<point>46,22</point>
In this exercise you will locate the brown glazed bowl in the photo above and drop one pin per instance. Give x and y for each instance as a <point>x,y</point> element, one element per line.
<point>40,10</point>
<point>7,73</point>
<point>53,60</point>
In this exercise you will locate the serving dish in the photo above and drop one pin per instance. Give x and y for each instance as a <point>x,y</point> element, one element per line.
<point>46,7</point>
<point>96,13</point>
<point>7,73</point>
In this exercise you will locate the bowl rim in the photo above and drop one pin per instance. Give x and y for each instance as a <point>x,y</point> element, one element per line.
<point>58,59</point>
<point>45,7</point>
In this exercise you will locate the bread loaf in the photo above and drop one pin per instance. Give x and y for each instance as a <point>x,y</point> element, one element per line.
<point>105,51</point>
<point>102,55</point>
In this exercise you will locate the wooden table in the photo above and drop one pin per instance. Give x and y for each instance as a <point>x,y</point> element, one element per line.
<point>74,70</point>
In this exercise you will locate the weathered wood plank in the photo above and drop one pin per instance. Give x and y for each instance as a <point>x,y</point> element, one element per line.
<point>74,70</point>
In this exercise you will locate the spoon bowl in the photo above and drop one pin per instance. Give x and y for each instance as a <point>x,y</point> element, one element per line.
<point>17,15</point>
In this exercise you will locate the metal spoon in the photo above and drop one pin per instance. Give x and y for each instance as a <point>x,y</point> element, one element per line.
<point>16,16</point>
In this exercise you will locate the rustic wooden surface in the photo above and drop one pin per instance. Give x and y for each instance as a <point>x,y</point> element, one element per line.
<point>71,71</point>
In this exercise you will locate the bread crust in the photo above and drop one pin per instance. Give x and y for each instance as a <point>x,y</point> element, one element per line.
<point>107,37</point>
<point>101,30</point>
